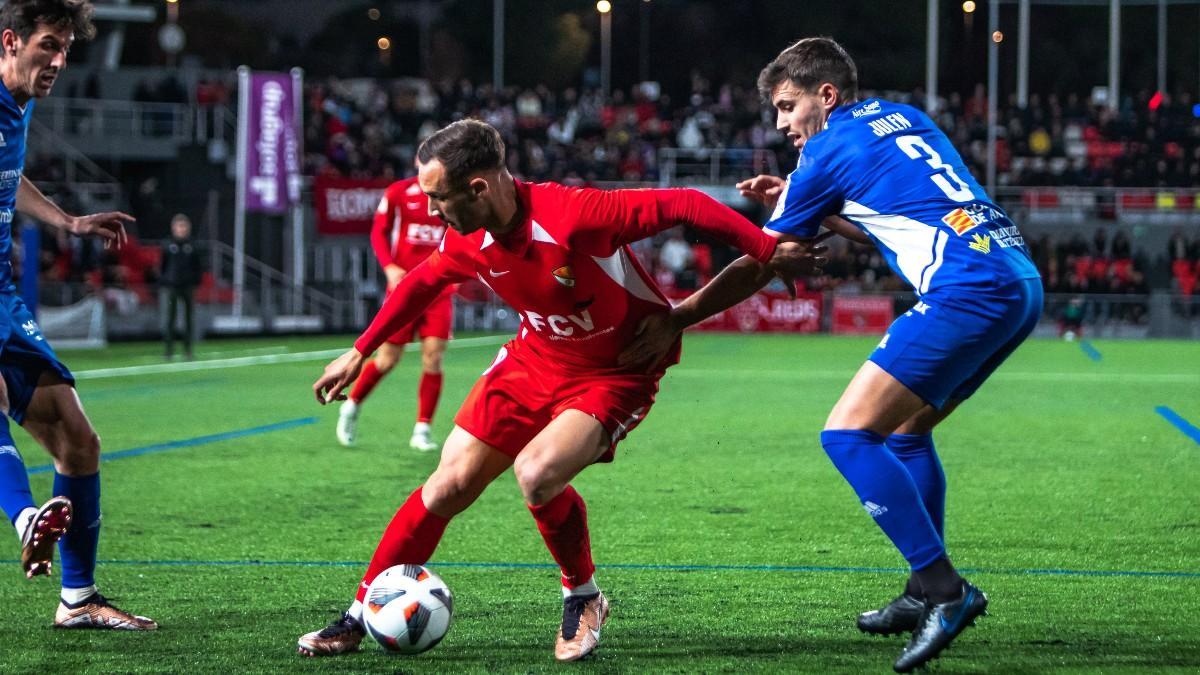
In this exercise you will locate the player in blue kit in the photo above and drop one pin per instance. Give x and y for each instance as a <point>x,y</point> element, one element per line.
<point>36,390</point>
<point>882,172</point>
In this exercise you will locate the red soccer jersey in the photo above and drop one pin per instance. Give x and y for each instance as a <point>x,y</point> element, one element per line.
<point>403,232</point>
<point>567,269</point>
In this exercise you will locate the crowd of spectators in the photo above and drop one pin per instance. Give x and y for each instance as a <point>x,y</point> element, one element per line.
<point>370,128</point>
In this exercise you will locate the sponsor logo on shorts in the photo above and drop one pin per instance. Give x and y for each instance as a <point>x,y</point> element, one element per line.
<point>874,509</point>
<point>31,329</point>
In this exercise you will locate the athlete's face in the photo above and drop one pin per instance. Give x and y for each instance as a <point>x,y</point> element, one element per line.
<point>463,208</point>
<point>801,114</point>
<point>33,65</point>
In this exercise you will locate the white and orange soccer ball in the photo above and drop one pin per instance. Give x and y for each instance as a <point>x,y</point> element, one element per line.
<point>408,609</point>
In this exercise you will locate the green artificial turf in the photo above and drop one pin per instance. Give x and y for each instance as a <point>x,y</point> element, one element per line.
<point>724,537</point>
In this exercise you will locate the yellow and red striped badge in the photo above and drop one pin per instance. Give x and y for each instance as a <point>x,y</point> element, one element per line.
<point>959,221</point>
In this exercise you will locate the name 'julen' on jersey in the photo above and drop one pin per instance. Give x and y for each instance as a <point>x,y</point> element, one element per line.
<point>889,170</point>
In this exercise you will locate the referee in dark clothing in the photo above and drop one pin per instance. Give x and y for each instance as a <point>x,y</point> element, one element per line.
<point>181,269</point>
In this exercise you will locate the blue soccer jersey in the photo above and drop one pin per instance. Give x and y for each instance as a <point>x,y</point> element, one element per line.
<point>888,169</point>
<point>14,124</point>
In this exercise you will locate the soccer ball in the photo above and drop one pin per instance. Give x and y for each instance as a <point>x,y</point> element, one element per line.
<point>408,609</point>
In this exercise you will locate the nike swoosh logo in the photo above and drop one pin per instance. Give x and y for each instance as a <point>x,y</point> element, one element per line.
<point>950,624</point>
<point>495,274</point>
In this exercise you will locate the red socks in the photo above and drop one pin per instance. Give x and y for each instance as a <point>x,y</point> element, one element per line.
<point>428,393</point>
<point>367,380</point>
<point>411,537</point>
<point>563,524</point>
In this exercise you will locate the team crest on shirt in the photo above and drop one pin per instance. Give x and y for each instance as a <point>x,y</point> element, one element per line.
<point>981,243</point>
<point>565,276</point>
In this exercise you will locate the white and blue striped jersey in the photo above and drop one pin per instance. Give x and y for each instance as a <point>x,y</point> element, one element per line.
<point>889,170</point>
<point>14,125</point>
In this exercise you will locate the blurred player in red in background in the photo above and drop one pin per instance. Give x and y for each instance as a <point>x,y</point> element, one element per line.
<point>404,234</point>
<point>555,399</point>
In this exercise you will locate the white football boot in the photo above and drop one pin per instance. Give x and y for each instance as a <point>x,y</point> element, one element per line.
<point>347,424</point>
<point>421,440</point>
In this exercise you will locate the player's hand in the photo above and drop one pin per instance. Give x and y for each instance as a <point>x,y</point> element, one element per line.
<point>339,374</point>
<point>394,274</point>
<point>798,258</point>
<point>763,189</point>
<point>652,339</point>
<point>109,226</point>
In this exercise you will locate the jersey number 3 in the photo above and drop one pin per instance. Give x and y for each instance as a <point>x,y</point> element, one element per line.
<point>945,179</point>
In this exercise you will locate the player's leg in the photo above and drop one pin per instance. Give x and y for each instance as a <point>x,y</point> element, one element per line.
<point>468,465</point>
<point>189,315</point>
<point>428,392</point>
<point>55,418</point>
<point>38,529</point>
<point>544,470</point>
<point>169,328</point>
<point>384,360</point>
<point>912,444</point>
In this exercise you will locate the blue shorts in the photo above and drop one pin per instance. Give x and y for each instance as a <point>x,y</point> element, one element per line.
<point>24,355</point>
<point>953,339</point>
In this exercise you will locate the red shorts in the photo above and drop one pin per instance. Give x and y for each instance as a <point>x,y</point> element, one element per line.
<point>519,395</point>
<point>435,322</point>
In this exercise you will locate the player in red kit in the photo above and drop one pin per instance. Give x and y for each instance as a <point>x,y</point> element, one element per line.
<point>404,233</point>
<point>554,400</point>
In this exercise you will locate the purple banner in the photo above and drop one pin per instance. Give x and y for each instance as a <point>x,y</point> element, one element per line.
<point>272,151</point>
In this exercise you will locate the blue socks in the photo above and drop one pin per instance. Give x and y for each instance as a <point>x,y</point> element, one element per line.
<point>77,549</point>
<point>15,496</point>
<point>887,492</point>
<point>917,454</point>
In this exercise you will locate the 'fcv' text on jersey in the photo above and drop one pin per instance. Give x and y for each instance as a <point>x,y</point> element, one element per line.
<point>14,123</point>
<point>888,169</point>
<point>567,269</point>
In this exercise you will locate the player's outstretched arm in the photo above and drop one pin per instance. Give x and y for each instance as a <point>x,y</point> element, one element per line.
<point>741,279</point>
<point>339,374</point>
<point>109,225</point>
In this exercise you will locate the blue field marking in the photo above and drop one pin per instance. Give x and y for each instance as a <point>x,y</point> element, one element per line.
<point>1092,352</point>
<point>642,567</point>
<point>189,442</point>
<point>1179,423</point>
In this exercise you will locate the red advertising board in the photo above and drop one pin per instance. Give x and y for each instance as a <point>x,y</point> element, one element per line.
<point>768,312</point>
<point>346,205</point>
<point>862,314</point>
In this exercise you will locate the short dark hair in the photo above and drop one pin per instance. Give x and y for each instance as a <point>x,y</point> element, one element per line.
<point>808,63</point>
<point>463,148</point>
<point>24,16</point>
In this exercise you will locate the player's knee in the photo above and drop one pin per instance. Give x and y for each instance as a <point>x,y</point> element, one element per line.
<point>537,482</point>
<point>431,362</point>
<point>385,362</point>
<point>448,493</point>
<point>78,453</point>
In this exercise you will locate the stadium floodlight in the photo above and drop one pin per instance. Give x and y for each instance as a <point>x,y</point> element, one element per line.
<point>384,43</point>
<point>373,14</point>
<point>604,6</point>
<point>997,37</point>
<point>969,6</point>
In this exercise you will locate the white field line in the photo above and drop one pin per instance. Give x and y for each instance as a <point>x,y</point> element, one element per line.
<point>260,360</point>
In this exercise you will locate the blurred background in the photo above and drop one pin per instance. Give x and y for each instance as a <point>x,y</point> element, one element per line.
<point>1080,116</point>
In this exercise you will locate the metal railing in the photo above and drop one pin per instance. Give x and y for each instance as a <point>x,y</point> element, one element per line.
<point>269,293</point>
<point>713,166</point>
<point>117,119</point>
<point>1067,204</point>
